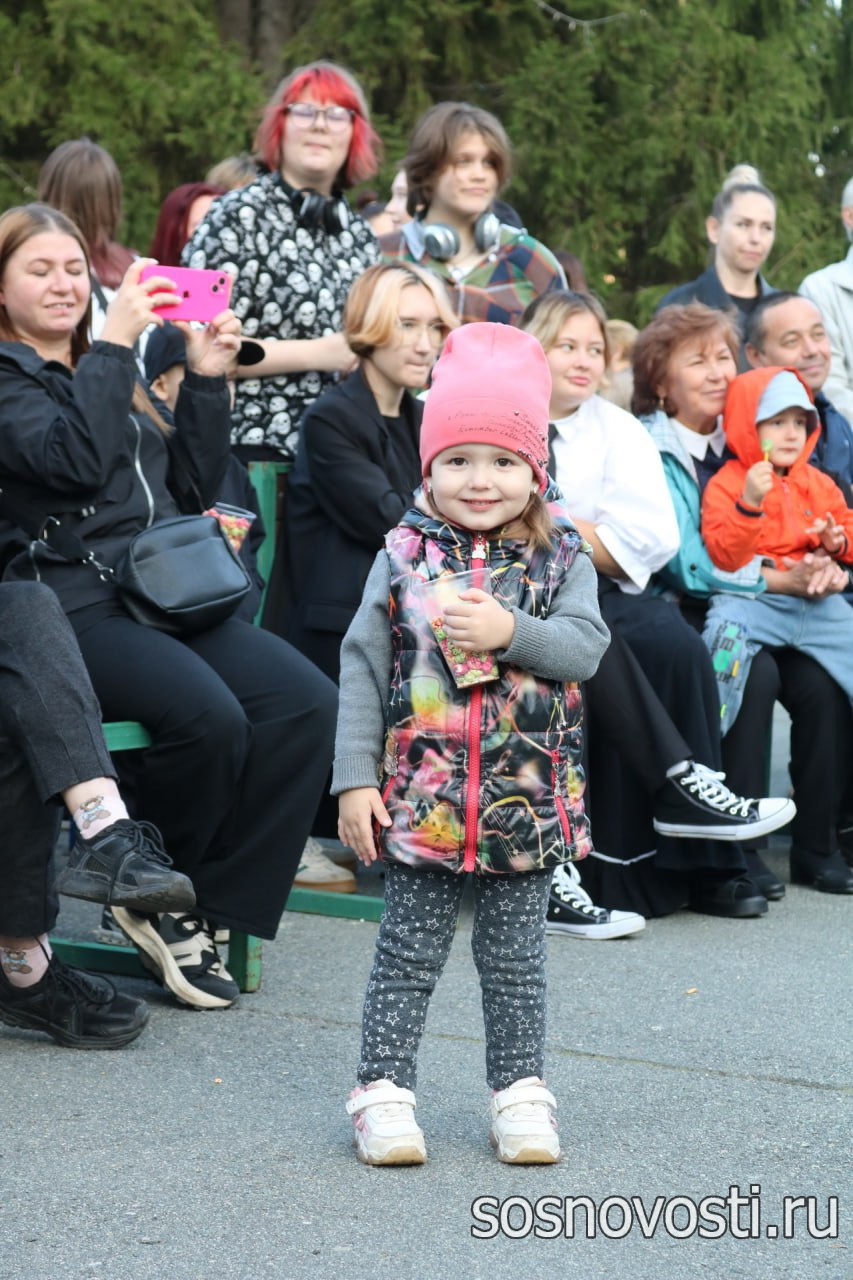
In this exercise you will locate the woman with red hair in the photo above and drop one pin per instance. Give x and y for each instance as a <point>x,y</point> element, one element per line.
<point>180,214</point>
<point>294,247</point>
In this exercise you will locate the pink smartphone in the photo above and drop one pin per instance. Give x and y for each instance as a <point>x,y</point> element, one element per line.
<point>203,294</point>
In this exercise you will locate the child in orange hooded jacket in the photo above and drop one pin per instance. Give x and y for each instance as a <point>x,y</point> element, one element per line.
<point>768,503</point>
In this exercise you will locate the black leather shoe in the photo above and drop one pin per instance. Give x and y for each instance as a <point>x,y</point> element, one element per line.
<point>126,866</point>
<point>826,872</point>
<point>767,884</point>
<point>737,898</point>
<point>77,1009</point>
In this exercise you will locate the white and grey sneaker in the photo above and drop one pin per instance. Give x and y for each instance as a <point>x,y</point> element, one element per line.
<point>385,1129</point>
<point>571,910</point>
<point>695,803</point>
<point>524,1126</point>
<point>317,871</point>
<point>179,950</point>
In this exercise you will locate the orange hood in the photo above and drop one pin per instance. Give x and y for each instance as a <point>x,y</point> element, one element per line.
<point>740,413</point>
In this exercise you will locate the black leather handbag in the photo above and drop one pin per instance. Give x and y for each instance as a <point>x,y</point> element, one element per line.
<point>181,575</point>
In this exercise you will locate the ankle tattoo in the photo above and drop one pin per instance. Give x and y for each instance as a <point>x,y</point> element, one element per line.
<point>91,811</point>
<point>14,961</point>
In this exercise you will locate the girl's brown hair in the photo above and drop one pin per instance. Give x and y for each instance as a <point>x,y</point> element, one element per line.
<point>535,524</point>
<point>83,180</point>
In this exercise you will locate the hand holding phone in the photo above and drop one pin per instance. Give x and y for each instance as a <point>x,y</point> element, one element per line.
<point>202,293</point>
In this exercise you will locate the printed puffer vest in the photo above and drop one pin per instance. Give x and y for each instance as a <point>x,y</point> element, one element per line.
<point>486,778</point>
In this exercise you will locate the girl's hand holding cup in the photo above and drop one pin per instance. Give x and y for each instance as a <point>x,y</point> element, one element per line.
<point>475,621</point>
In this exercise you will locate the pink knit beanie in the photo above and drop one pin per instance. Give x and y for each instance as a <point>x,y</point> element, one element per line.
<point>492,385</point>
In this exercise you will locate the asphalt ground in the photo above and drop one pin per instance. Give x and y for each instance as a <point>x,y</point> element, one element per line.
<point>701,1058</point>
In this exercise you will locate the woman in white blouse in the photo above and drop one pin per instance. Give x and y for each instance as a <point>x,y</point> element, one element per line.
<point>613,482</point>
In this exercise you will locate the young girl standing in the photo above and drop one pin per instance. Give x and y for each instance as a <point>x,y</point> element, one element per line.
<point>469,761</point>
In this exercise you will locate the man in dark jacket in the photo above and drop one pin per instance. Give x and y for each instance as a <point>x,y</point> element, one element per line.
<point>787,329</point>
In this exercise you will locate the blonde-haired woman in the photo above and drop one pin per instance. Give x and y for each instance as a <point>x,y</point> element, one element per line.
<point>357,462</point>
<point>357,466</point>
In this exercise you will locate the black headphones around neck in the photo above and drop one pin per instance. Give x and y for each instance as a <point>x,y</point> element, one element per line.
<point>314,210</point>
<point>442,242</point>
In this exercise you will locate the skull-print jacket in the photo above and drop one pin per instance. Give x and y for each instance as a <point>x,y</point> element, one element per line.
<point>289,282</point>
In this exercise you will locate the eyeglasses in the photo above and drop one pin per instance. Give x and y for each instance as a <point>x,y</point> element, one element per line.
<point>408,332</point>
<point>304,116</point>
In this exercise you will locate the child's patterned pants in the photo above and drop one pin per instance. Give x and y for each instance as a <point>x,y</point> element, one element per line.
<point>508,945</point>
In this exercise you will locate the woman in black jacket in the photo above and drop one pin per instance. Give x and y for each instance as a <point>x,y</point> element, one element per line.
<point>357,462</point>
<point>232,710</point>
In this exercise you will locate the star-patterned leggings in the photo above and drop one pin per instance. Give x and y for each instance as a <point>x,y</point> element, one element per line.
<point>508,945</point>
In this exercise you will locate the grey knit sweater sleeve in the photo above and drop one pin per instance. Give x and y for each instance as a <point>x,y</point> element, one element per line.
<point>567,645</point>
<point>364,686</point>
<point>570,642</point>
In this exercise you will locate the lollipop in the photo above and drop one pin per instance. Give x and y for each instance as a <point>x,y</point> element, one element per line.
<point>767,449</point>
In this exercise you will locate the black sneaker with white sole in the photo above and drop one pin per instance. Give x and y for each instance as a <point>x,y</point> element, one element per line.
<point>179,950</point>
<point>572,911</point>
<point>125,865</point>
<point>696,804</point>
<point>76,1009</point>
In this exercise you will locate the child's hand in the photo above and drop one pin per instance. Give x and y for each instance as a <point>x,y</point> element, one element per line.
<point>757,483</point>
<point>831,534</point>
<point>476,621</point>
<point>356,810</point>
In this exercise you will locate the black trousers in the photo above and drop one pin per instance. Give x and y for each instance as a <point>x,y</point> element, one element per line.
<point>652,703</point>
<point>243,736</point>
<point>50,739</point>
<point>821,742</point>
<point>821,758</point>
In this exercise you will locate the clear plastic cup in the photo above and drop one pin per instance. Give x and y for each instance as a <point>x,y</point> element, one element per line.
<point>235,521</point>
<point>466,668</point>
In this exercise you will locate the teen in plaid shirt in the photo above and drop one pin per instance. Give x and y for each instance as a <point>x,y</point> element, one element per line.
<point>458,161</point>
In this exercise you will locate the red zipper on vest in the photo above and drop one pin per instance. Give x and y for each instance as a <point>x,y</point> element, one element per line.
<point>562,816</point>
<point>479,554</point>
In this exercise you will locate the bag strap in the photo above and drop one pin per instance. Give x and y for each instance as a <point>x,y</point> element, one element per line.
<point>47,529</point>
